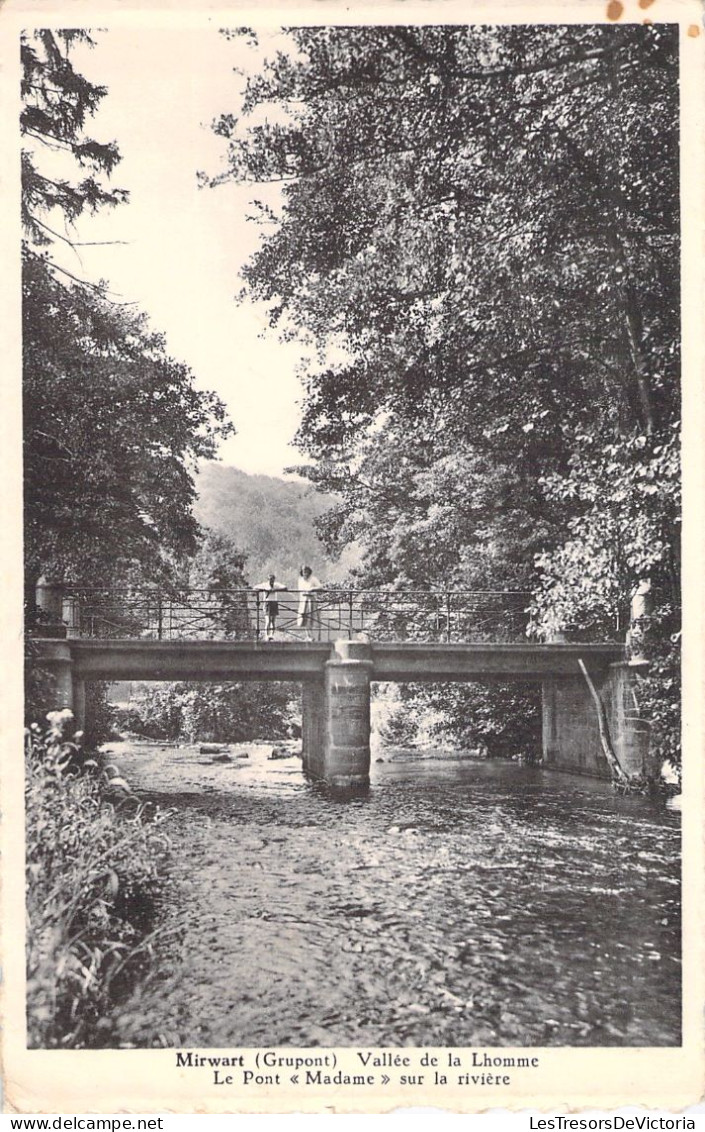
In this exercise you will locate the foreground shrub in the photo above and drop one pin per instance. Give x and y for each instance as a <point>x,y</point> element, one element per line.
<point>94,857</point>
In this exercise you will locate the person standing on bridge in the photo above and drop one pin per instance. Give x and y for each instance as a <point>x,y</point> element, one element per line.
<point>271,590</point>
<point>308,585</point>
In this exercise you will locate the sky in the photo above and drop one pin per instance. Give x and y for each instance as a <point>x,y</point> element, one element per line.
<point>183,245</point>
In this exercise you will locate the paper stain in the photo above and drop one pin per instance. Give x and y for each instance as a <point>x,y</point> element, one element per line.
<point>645,3</point>
<point>693,31</point>
<point>615,9</point>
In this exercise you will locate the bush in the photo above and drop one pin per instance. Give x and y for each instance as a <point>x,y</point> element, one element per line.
<point>659,689</point>
<point>503,719</point>
<point>397,726</point>
<point>100,717</point>
<point>93,888</point>
<point>212,713</point>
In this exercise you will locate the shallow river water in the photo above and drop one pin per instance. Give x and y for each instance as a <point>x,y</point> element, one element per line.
<point>459,903</point>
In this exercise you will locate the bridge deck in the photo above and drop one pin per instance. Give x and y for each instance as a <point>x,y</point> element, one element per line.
<point>94,659</point>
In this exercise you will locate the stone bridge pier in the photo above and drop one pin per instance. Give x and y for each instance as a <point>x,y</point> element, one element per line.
<point>69,689</point>
<point>336,718</point>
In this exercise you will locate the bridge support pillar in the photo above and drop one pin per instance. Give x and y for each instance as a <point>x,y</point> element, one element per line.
<point>346,747</point>
<point>571,736</point>
<point>336,718</point>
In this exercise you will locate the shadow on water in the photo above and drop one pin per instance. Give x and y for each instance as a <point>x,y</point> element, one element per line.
<point>454,903</point>
<point>345,795</point>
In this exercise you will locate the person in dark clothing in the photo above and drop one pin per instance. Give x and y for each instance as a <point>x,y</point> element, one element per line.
<point>271,591</point>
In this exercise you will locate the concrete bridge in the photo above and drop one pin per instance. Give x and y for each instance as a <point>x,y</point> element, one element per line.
<point>336,676</point>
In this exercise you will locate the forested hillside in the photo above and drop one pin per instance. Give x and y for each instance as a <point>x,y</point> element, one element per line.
<point>270,520</point>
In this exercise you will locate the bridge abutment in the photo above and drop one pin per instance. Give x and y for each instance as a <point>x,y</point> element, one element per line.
<point>571,734</point>
<point>56,659</point>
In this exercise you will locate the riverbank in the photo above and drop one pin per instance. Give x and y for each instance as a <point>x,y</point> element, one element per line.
<point>95,862</point>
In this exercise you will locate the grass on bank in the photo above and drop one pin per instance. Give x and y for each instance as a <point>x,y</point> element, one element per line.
<point>95,856</point>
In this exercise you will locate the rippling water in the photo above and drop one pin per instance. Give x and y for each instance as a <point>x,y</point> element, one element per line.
<point>459,903</point>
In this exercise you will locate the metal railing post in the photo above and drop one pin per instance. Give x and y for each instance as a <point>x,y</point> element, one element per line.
<point>71,615</point>
<point>448,616</point>
<point>49,597</point>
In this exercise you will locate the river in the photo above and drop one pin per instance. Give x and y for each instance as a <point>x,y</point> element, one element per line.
<point>459,903</point>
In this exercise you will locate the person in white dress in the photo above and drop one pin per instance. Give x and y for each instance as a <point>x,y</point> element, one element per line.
<point>308,585</point>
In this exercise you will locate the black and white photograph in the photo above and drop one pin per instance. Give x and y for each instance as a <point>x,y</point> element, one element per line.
<point>351,464</point>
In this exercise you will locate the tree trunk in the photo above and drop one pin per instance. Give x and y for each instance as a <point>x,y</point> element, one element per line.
<point>618,774</point>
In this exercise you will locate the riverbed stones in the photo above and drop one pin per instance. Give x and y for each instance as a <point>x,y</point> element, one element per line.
<point>281,753</point>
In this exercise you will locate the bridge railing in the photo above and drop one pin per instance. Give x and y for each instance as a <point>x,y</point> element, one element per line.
<point>241,614</point>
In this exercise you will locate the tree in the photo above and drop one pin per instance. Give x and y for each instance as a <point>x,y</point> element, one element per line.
<point>113,426</point>
<point>56,103</point>
<point>483,224</point>
<point>216,602</point>
<point>486,220</point>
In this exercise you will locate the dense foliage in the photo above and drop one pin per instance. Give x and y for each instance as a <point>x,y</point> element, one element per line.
<point>94,857</point>
<point>503,721</point>
<point>113,427</point>
<point>479,226</point>
<point>213,713</point>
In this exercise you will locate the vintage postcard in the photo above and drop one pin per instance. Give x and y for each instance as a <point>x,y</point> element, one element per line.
<point>353,481</point>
